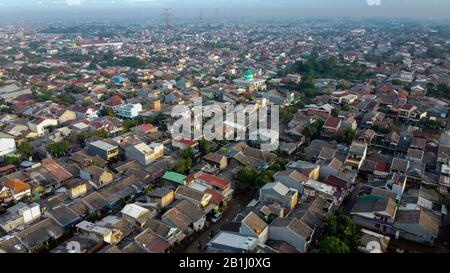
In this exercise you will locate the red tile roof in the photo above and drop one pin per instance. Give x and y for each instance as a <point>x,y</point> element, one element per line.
<point>214,180</point>
<point>216,198</point>
<point>56,170</point>
<point>332,122</point>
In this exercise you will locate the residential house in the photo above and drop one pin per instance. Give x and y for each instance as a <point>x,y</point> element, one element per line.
<point>129,111</point>
<point>356,155</point>
<point>103,149</point>
<point>253,226</point>
<point>161,196</point>
<point>17,188</point>
<point>218,160</point>
<point>419,226</point>
<point>278,192</point>
<point>308,169</point>
<point>143,153</point>
<point>37,235</point>
<point>39,124</point>
<point>331,126</point>
<point>375,213</point>
<point>7,144</point>
<point>216,184</point>
<point>76,188</point>
<point>19,215</point>
<point>201,199</point>
<point>99,177</point>
<point>291,179</point>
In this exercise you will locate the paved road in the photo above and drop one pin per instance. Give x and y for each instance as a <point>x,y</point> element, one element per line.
<point>235,206</point>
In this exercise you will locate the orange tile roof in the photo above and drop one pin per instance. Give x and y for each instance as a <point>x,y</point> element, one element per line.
<point>17,186</point>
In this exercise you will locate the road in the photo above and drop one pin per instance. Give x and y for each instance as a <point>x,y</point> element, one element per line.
<point>234,207</point>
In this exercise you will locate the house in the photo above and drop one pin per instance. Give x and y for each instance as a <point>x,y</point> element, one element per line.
<point>218,160</point>
<point>39,234</point>
<point>308,169</point>
<point>112,103</point>
<point>173,179</point>
<point>185,216</point>
<point>162,196</point>
<point>331,126</point>
<point>39,124</point>
<point>419,226</point>
<point>201,199</point>
<point>253,226</point>
<point>277,192</point>
<point>129,111</point>
<point>94,202</point>
<point>216,184</point>
<point>87,113</point>
<point>18,188</point>
<point>143,153</point>
<point>168,233</point>
<point>374,212</point>
<point>329,193</point>
<point>292,231</point>
<point>63,216</point>
<point>372,242</point>
<point>19,215</point>
<point>7,144</point>
<point>291,179</point>
<point>103,149</point>
<point>330,167</point>
<point>233,242</point>
<point>356,155</point>
<point>135,214</point>
<point>144,129</point>
<point>97,232</point>
<point>76,188</point>
<point>98,176</point>
<point>148,241</point>
<point>182,143</point>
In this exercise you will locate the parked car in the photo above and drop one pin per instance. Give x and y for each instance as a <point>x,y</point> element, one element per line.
<point>216,217</point>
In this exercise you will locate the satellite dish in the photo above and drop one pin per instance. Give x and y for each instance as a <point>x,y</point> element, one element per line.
<point>374,247</point>
<point>73,247</point>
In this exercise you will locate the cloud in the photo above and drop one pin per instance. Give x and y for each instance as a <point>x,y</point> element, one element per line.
<point>74,2</point>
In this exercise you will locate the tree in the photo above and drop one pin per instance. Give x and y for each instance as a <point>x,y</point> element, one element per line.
<point>246,177</point>
<point>346,136</point>
<point>183,166</point>
<point>128,124</point>
<point>331,244</point>
<point>58,148</point>
<point>25,149</point>
<point>187,153</point>
<point>265,178</point>
<point>12,160</point>
<point>101,133</point>
<point>203,146</point>
<point>342,227</point>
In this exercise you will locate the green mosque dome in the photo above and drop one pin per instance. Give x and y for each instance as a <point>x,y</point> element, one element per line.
<point>248,75</point>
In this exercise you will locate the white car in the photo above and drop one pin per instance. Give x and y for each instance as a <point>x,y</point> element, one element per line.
<point>216,217</point>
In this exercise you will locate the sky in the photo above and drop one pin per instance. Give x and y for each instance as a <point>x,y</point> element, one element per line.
<point>435,9</point>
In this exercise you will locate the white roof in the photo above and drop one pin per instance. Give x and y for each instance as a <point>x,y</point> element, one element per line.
<point>134,211</point>
<point>234,240</point>
<point>277,187</point>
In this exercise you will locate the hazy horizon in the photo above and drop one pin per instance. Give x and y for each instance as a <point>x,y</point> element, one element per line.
<point>24,10</point>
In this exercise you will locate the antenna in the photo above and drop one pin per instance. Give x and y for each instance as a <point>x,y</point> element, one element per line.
<point>200,18</point>
<point>167,16</point>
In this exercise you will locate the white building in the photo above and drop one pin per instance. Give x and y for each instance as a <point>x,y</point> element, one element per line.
<point>250,83</point>
<point>39,124</point>
<point>129,110</point>
<point>7,144</point>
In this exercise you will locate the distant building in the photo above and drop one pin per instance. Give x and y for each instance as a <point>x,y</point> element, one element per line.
<point>250,83</point>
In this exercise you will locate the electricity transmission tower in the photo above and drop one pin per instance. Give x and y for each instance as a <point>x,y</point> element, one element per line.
<point>167,16</point>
